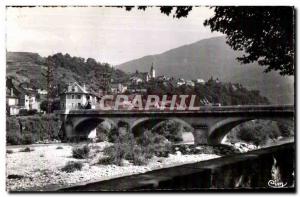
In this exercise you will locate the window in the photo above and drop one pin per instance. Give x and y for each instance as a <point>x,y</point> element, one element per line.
<point>78,96</point>
<point>73,96</point>
<point>79,105</point>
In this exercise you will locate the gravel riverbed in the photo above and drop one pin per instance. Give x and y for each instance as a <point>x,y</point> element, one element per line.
<point>40,169</point>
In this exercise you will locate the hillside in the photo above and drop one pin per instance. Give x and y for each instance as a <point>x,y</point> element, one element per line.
<point>213,57</point>
<point>31,67</point>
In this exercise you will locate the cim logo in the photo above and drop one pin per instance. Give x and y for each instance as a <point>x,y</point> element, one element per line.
<point>276,184</point>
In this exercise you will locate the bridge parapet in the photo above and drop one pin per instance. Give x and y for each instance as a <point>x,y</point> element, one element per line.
<point>204,110</point>
<point>210,124</point>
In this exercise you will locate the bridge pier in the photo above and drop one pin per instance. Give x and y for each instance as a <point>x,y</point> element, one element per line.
<point>200,134</point>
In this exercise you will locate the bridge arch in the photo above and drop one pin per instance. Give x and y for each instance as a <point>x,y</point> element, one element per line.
<point>218,131</point>
<point>151,123</point>
<point>84,126</point>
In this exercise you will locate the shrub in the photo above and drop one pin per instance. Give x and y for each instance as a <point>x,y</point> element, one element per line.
<point>26,149</point>
<point>30,129</point>
<point>105,161</point>
<point>257,132</point>
<point>59,147</point>
<point>138,151</point>
<point>13,138</point>
<point>171,130</point>
<point>102,133</point>
<point>27,139</point>
<point>139,158</point>
<point>23,112</point>
<point>81,152</point>
<point>72,166</point>
<point>123,148</point>
<point>154,144</point>
<point>31,112</point>
<point>9,151</point>
<point>114,133</point>
<point>101,137</point>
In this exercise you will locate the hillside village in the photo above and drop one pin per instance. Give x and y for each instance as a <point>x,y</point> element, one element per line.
<point>23,99</point>
<point>78,83</point>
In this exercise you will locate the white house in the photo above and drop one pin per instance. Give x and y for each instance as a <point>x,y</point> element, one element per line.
<point>77,97</point>
<point>12,102</point>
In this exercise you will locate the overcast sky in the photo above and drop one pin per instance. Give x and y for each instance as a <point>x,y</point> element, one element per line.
<point>110,35</point>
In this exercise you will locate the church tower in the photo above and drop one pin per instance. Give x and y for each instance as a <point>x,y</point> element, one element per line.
<point>152,72</point>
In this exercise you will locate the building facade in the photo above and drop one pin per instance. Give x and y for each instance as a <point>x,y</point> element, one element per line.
<point>77,97</point>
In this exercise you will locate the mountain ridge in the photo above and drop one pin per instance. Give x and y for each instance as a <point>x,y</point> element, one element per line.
<point>212,57</point>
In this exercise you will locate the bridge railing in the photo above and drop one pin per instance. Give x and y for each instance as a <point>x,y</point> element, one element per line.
<point>236,108</point>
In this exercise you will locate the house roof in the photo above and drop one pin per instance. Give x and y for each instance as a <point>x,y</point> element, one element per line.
<point>17,90</point>
<point>80,90</point>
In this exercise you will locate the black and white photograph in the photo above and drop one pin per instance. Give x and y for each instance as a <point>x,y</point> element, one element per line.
<point>150,98</point>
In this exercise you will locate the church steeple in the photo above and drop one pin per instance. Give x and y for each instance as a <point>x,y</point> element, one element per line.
<point>152,71</point>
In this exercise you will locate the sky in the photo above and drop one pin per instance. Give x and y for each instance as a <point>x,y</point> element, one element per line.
<point>107,34</point>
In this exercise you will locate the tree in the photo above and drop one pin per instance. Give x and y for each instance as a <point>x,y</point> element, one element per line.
<point>44,106</point>
<point>265,34</point>
<point>180,11</point>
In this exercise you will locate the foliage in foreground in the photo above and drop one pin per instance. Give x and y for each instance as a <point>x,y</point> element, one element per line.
<point>81,152</point>
<point>260,132</point>
<point>26,149</point>
<point>136,150</point>
<point>72,166</point>
<point>31,129</point>
<point>9,151</point>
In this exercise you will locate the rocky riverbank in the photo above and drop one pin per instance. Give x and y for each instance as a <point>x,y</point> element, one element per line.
<point>40,169</point>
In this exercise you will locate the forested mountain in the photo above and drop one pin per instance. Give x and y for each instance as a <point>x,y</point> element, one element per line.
<point>213,57</point>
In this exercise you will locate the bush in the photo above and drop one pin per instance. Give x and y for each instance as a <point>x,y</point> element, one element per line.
<point>114,133</point>
<point>102,133</point>
<point>23,112</point>
<point>27,149</point>
<point>13,138</point>
<point>123,148</point>
<point>27,139</point>
<point>9,151</point>
<point>59,147</point>
<point>30,129</point>
<point>32,112</point>
<point>136,151</point>
<point>81,152</point>
<point>286,130</point>
<point>101,137</point>
<point>139,158</point>
<point>257,132</point>
<point>105,161</point>
<point>154,144</point>
<point>171,130</point>
<point>72,166</point>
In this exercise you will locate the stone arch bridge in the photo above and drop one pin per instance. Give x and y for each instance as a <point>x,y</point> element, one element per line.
<point>210,124</point>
